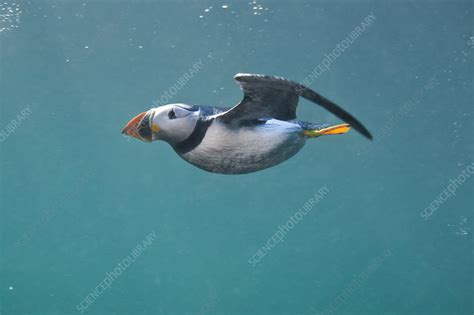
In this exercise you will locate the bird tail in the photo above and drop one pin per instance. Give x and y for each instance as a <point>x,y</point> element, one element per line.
<point>332,130</point>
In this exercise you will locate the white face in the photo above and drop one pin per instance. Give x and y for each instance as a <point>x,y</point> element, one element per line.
<point>173,122</point>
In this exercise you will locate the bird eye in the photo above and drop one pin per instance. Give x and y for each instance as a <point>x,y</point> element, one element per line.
<point>171,114</point>
<point>178,112</point>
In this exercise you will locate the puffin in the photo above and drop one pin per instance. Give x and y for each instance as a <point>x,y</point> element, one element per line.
<point>259,132</point>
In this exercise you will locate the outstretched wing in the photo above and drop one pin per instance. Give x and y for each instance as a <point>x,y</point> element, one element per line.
<point>276,97</point>
<point>264,96</point>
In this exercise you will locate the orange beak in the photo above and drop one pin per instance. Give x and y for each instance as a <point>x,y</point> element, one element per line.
<point>134,126</point>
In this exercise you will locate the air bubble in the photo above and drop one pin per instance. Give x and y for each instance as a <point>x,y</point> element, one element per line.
<point>9,16</point>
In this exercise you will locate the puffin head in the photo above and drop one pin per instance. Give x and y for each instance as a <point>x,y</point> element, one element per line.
<point>172,123</point>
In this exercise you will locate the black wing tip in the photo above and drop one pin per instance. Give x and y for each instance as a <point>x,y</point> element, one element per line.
<point>368,136</point>
<point>363,131</point>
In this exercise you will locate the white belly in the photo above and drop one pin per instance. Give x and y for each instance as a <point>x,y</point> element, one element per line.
<point>246,149</point>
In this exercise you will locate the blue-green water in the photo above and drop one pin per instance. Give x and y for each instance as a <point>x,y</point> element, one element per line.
<point>78,198</point>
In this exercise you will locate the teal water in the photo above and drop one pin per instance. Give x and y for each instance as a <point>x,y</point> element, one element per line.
<point>78,198</point>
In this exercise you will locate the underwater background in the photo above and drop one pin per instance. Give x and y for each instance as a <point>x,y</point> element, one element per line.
<point>97,223</point>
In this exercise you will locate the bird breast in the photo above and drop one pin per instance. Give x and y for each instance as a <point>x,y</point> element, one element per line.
<point>246,149</point>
